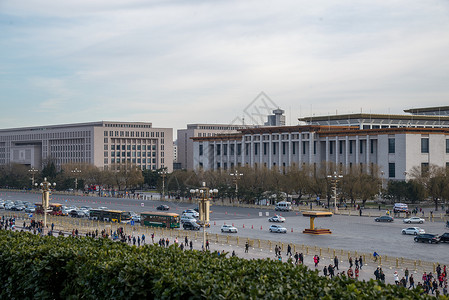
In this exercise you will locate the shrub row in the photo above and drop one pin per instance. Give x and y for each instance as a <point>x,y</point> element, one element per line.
<point>34,267</point>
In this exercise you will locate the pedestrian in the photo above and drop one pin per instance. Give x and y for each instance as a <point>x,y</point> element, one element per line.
<point>152,238</point>
<point>301,258</point>
<point>325,271</point>
<point>360,212</point>
<point>330,269</point>
<point>296,258</point>
<point>52,226</point>
<point>377,274</point>
<point>246,247</point>
<point>191,245</point>
<point>186,240</point>
<point>289,250</point>
<point>350,262</point>
<point>356,272</point>
<point>276,250</point>
<point>360,262</point>
<point>167,242</point>
<point>336,262</point>
<point>382,276</point>
<point>403,282</point>
<point>350,273</point>
<point>143,238</point>
<point>356,261</point>
<point>233,253</point>
<point>207,244</point>
<point>396,277</point>
<point>411,281</point>
<point>375,255</point>
<point>406,272</point>
<point>134,240</point>
<point>316,260</point>
<point>182,247</point>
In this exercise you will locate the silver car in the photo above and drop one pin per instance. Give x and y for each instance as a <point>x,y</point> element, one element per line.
<point>413,230</point>
<point>278,228</point>
<point>228,228</point>
<point>416,220</point>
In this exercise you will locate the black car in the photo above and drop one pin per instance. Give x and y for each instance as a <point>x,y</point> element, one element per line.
<point>384,219</point>
<point>427,238</point>
<point>191,226</point>
<point>163,207</point>
<point>444,237</point>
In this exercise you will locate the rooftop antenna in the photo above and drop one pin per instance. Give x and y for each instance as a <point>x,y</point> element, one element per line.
<point>290,121</point>
<point>243,121</point>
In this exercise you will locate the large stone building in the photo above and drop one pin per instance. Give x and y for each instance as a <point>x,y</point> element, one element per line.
<point>103,144</point>
<point>394,143</point>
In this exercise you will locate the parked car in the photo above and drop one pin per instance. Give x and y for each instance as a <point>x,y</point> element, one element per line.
<point>444,237</point>
<point>30,209</point>
<point>384,219</point>
<point>228,228</point>
<point>413,230</point>
<point>276,218</point>
<point>278,228</point>
<point>427,238</point>
<point>163,207</point>
<point>416,220</point>
<point>191,226</point>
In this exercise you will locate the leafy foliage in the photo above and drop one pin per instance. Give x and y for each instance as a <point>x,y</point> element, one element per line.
<point>84,268</point>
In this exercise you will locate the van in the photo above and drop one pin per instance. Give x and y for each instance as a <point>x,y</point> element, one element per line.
<point>185,219</point>
<point>283,206</point>
<point>400,207</point>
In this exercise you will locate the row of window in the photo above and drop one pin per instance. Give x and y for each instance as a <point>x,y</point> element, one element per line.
<point>131,147</point>
<point>134,160</point>
<point>133,134</point>
<point>132,154</point>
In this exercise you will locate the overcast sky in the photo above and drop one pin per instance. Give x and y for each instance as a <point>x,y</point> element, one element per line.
<point>178,62</point>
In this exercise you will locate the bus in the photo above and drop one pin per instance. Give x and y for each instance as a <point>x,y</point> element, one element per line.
<point>54,209</point>
<point>117,216</point>
<point>160,219</point>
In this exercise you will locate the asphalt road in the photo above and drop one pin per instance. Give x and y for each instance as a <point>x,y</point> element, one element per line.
<point>352,233</point>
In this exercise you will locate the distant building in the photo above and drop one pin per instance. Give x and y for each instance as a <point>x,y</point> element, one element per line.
<point>276,119</point>
<point>103,144</point>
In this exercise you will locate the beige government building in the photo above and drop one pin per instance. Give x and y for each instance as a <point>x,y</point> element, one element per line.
<point>103,144</point>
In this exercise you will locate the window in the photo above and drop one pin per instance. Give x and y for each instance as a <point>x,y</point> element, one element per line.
<point>447,146</point>
<point>303,147</point>
<point>256,146</point>
<point>350,147</point>
<point>361,147</point>
<point>232,149</point>
<point>293,148</point>
<point>265,148</point>
<point>283,148</point>
<point>274,148</point>
<point>218,149</point>
<point>105,147</point>
<point>392,170</point>
<point>391,146</point>
<point>239,149</point>
<point>425,145</point>
<point>314,147</point>
<point>341,147</point>
<point>331,147</point>
<point>246,149</point>
<point>372,146</point>
<point>225,149</point>
<point>105,140</point>
<point>201,149</point>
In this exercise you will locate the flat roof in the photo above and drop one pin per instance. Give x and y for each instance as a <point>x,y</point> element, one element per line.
<point>426,109</point>
<point>317,214</point>
<point>373,116</point>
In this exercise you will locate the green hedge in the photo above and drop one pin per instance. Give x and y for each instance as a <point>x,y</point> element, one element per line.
<point>33,267</point>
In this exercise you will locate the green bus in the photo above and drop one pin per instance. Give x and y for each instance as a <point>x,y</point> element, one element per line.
<point>159,219</point>
<point>117,216</point>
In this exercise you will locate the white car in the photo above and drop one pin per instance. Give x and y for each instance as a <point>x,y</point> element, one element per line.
<point>276,219</point>
<point>193,214</point>
<point>413,230</point>
<point>228,228</point>
<point>416,220</point>
<point>278,228</point>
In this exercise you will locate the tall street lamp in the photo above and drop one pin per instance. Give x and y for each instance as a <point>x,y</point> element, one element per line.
<point>381,185</point>
<point>163,174</point>
<point>32,171</point>
<point>76,172</point>
<point>46,189</point>
<point>335,178</point>
<point>204,193</point>
<point>236,177</point>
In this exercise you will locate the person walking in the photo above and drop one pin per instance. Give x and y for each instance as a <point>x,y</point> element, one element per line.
<point>191,245</point>
<point>396,277</point>
<point>325,271</point>
<point>356,273</point>
<point>246,247</point>
<point>289,250</point>
<point>207,244</point>
<point>350,262</point>
<point>360,262</point>
<point>336,263</point>
<point>412,282</point>
<point>406,273</point>
<point>186,240</point>
<point>330,269</point>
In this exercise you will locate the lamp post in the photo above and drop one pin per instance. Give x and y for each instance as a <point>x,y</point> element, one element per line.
<point>335,177</point>
<point>204,193</point>
<point>75,173</point>
<point>32,172</point>
<point>163,174</point>
<point>46,189</point>
<point>381,185</point>
<point>236,177</point>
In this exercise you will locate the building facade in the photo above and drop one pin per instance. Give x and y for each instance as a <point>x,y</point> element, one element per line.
<point>395,146</point>
<point>103,144</point>
<point>185,154</point>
